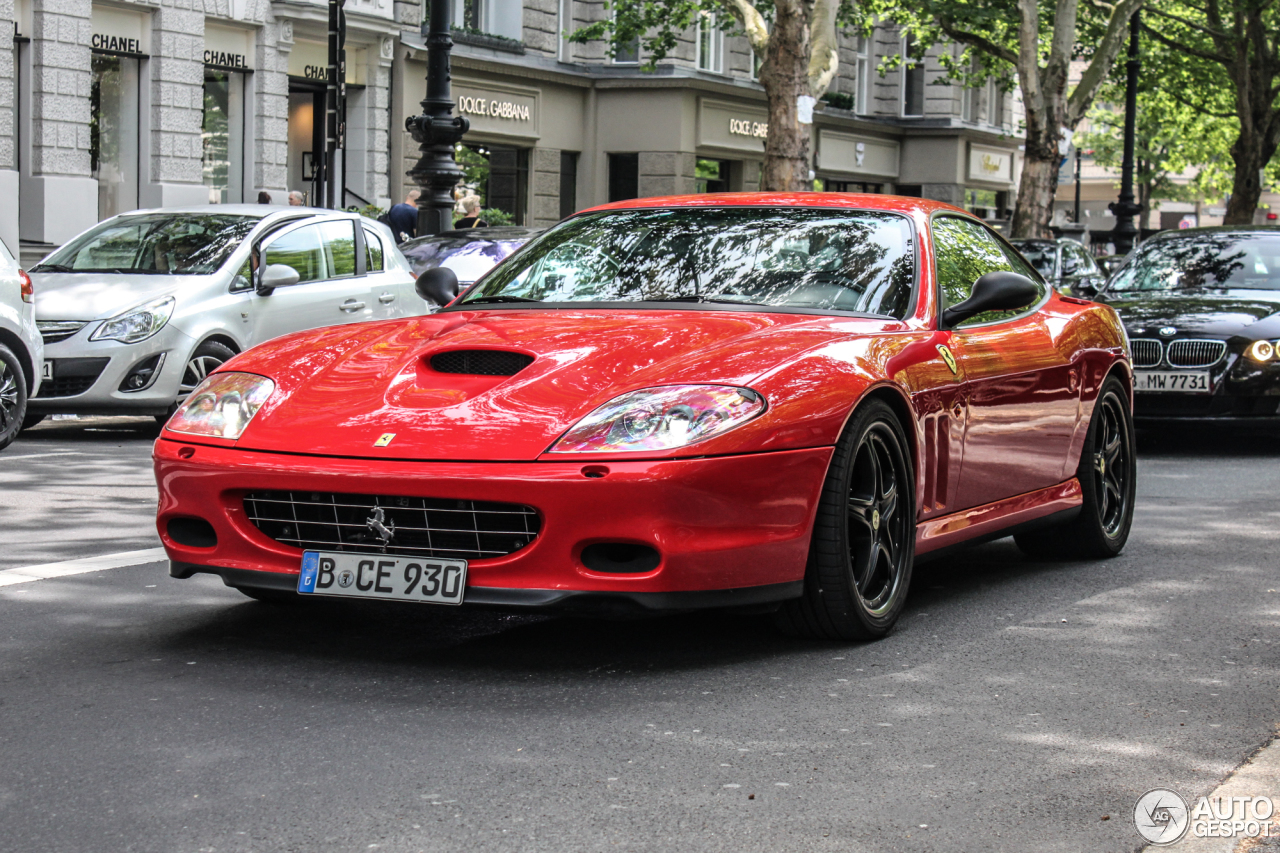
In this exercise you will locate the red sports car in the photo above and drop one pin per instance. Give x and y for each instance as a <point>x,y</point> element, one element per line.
<point>760,401</point>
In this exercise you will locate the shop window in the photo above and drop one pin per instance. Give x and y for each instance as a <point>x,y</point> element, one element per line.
<point>500,177</point>
<point>862,78</point>
<point>913,80</point>
<point>624,176</point>
<point>113,132</point>
<point>223,158</point>
<point>712,176</point>
<point>823,185</point>
<point>568,183</point>
<point>710,44</point>
<point>986,204</point>
<point>910,190</point>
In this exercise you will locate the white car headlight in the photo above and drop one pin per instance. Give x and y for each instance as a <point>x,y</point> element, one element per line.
<point>138,324</point>
<point>661,419</point>
<point>222,405</point>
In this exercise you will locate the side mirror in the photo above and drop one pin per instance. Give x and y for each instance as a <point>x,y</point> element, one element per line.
<point>276,275</point>
<point>438,285</point>
<point>995,291</point>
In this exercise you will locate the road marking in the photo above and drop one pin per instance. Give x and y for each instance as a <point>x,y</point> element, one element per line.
<point>84,565</point>
<point>42,455</point>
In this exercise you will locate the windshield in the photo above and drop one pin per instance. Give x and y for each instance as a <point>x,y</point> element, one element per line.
<point>1208,261</point>
<point>1040,255</point>
<point>154,244</point>
<point>791,257</point>
<point>468,259</point>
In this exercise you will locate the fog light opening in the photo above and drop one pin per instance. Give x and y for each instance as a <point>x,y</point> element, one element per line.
<point>595,472</point>
<point>143,374</point>
<point>620,558</point>
<point>192,532</point>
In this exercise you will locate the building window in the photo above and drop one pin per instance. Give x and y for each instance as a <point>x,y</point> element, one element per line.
<point>472,15</point>
<point>113,132</point>
<point>712,176</point>
<point>912,80</point>
<point>830,186</point>
<point>568,183</point>
<point>624,176</point>
<point>995,101</point>
<point>710,44</point>
<point>223,136</point>
<point>862,78</point>
<point>499,175</point>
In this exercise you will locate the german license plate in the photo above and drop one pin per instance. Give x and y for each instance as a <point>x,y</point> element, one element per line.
<point>1179,381</point>
<point>46,370</point>
<point>431,579</point>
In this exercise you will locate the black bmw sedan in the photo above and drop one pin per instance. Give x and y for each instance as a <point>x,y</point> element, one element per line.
<point>1202,309</point>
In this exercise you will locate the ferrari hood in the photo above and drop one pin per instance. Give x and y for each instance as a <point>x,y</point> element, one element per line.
<point>1219,314</point>
<point>438,383</point>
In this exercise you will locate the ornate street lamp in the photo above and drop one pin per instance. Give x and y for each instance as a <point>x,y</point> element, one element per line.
<point>437,130</point>
<point>1126,208</point>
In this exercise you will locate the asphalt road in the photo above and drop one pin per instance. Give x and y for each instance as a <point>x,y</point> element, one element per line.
<point>1020,706</point>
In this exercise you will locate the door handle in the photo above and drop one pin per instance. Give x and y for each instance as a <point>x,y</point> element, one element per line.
<point>387,298</point>
<point>351,305</point>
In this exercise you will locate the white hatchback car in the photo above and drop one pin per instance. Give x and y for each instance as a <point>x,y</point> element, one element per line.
<point>21,350</point>
<point>137,310</point>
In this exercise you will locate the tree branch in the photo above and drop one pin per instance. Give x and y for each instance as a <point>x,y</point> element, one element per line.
<point>1172,92</point>
<point>752,23</point>
<point>1212,33</point>
<point>824,51</point>
<point>1184,48</point>
<point>1103,58</point>
<point>982,43</point>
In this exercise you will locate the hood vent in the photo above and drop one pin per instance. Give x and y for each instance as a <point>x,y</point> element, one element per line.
<point>481,362</point>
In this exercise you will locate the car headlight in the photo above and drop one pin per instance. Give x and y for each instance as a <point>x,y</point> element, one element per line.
<point>222,405</point>
<point>138,324</point>
<point>661,419</point>
<point>1262,351</point>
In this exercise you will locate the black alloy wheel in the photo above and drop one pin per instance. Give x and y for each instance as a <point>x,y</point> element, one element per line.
<point>1108,475</point>
<point>863,546</point>
<point>13,397</point>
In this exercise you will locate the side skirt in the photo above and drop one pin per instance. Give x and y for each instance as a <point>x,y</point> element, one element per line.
<point>940,536</point>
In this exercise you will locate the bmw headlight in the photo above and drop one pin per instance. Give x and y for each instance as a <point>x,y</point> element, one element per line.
<point>1262,351</point>
<point>138,324</point>
<point>222,405</point>
<point>661,419</point>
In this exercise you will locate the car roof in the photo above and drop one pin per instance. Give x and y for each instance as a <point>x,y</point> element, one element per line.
<point>1174,233</point>
<point>260,211</point>
<point>872,201</point>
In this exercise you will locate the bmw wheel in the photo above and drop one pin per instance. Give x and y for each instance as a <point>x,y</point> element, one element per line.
<point>863,546</point>
<point>13,397</point>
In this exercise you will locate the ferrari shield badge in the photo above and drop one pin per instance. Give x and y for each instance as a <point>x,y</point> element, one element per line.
<point>385,438</point>
<point>947,357</point>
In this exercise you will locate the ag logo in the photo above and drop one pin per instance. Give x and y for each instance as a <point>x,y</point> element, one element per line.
<point>345,578</point>
<point>1161,817</point>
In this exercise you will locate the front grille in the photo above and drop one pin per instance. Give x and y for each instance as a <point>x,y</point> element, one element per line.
<point>1196,353</point>
<point>426,527</point>
<point>72,376</point>
<point>58,330</point>
<point>1146,353</point>
<point>482,362</point>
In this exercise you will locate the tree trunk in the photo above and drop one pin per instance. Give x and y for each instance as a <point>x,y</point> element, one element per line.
<point>1251,153</point>
<point>784,76</point>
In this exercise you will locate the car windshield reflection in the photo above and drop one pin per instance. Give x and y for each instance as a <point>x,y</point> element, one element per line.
<point>153,244</point>
<point>1207,261</point>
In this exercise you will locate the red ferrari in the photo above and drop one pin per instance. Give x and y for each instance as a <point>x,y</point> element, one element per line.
<point>759,401</point>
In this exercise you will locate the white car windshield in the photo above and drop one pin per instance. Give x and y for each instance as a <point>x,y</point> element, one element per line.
<point>154,244</point>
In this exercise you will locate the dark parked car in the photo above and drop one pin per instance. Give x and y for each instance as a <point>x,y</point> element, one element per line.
<point>1066,264</point>
<point>1202,309</point>
<point>470,252</point>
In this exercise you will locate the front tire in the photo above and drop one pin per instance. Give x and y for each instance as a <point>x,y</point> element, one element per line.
<point>863,546</point>
<point>207,357</point>
<point>13,397</point>
<point>1108,475</point>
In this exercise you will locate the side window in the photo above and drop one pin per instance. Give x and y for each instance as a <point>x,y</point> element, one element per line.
<point>300,249</point>
<point>1070,261</point>
<point>339,247</point>
<point>964,251</point>
<point>372,251</point>
<point>243,277</point>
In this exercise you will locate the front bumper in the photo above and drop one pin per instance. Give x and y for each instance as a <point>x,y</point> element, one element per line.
<point>730,530</point>
<point>96,386</point>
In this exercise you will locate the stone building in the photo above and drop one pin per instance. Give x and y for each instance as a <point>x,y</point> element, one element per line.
<point>565,126</point>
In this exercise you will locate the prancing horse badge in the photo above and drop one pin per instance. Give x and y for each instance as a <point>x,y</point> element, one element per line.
<point>947,357</point>
<point>386,437</point>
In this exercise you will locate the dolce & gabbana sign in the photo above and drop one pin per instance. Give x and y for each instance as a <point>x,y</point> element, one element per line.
<point>740,127</point>
<point>498,108</point>
<point>483,106</point>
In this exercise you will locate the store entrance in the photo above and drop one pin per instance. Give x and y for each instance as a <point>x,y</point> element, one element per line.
<point>113,132</point>
<point>499,176</point>
<point>306,140</point>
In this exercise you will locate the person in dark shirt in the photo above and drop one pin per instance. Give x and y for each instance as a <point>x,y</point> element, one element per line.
<point>471,207</point>
<point>404,217</point>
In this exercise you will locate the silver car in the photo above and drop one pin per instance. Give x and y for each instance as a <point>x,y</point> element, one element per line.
<point>136,311</point>
<point>21,350</point>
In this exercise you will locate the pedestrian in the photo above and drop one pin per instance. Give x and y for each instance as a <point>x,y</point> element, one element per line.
<point>471,207</point>
<point>403,217</point>
<point>264,197</point>
<point>295,199</point>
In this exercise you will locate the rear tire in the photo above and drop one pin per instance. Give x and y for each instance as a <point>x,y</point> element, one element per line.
<point>1108,475</point>
<point>13,397</point>
<point>863,546</point>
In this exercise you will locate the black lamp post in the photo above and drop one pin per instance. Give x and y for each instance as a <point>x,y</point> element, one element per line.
<point>437,130</point>
<point>1125,208</point>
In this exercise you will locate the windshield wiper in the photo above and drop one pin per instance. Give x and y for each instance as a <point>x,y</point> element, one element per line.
<point>703,299</point>
<point>500,298</point>
<point>52,268</point>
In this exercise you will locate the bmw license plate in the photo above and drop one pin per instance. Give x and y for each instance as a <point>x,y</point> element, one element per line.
<point>429,579</point>
<point>1178,381</point>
